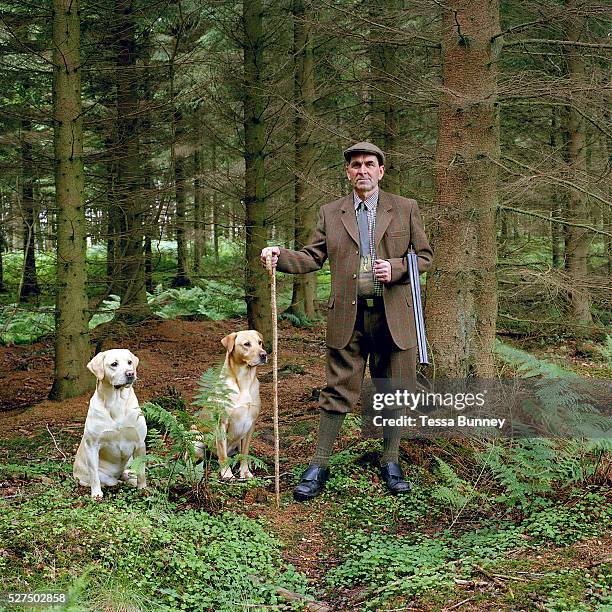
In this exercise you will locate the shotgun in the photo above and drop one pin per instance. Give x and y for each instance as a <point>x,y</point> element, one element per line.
<point>415,287</point>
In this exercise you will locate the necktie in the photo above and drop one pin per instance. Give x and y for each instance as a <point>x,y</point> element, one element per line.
<point>364,230</point>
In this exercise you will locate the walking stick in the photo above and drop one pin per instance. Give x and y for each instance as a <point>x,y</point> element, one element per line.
<point>272,272</point>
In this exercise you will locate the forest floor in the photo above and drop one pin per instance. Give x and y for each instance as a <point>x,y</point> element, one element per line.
<point>562,573</point>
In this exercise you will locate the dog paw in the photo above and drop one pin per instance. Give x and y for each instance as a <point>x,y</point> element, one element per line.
<point>97,495</point>
<point>246,474</point>
<point>227,474</point>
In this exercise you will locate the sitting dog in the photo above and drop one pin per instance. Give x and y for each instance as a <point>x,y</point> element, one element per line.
<point>244,352</point>
<point>115,428</point>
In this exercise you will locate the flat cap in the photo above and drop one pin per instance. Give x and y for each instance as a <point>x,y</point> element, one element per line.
<point>365,147</point>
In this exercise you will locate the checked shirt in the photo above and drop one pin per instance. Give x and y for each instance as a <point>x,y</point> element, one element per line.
<point>371,205</point>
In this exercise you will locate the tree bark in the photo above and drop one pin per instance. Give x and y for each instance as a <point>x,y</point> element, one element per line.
<point>384,96</point>
<point>72,351</point>
<point>257,293</point>
<point>113,215</point>
<point>181,278</point>
<point>151,218</point>
<point>131,268</point>
<point>577,239</point>
<point>3,244</point>
<point>556,230</point>
<point>28,287</point>
<point>214,204</point>
<point>199,210</point>
<point>304,285</point>
<point>461,306</point>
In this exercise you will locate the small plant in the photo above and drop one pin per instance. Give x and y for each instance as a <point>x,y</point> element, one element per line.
<point>212,399</point>
<point>170,443</point>
<point>106,311</point>
<point>451,490</point>
<point>23,326</point>
<point>213,301</point>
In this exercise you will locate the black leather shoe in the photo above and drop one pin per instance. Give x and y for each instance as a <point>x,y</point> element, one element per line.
<point>312,483</point>
<point>394,478</point>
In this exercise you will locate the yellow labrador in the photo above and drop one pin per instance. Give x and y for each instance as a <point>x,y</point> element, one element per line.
<point>115,428</point>
<point>244,352</point>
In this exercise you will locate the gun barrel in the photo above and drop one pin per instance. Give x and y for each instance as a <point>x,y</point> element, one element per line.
<point>419,320</point>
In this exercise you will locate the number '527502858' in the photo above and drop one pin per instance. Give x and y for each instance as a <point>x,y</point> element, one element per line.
<point>33,598</point>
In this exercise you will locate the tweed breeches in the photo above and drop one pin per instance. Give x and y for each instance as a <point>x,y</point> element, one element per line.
<point>346,366</point>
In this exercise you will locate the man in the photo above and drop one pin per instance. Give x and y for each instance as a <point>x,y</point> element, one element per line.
<point>366,236</point>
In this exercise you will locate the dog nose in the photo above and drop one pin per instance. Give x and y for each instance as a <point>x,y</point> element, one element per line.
<point>129,374</point>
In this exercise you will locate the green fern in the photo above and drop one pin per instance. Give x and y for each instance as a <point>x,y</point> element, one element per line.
<point>169,423</point>
<point>524,470</point>
<point>212,397</point>
<point>528,365</point>
<point>531,468</point>
<point>297,320</point>
<point>179,461</point>
<point>452,490</point>
<point>606,350</point>
<point>565,404</point>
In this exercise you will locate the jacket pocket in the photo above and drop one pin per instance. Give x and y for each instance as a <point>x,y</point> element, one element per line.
<point>399,233</point>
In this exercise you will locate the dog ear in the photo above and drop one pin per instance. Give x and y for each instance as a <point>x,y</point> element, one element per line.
<point>228,341</point>
<point>260,336</point>
<point>135,360</point>
<point>96,365</point>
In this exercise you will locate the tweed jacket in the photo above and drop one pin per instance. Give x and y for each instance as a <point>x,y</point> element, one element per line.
<point>398,223</point>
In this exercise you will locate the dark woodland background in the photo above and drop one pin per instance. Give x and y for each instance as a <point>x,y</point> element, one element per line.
<point>217,128</point>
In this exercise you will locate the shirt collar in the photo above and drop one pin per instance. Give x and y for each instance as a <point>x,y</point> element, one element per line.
<point>370,202</point>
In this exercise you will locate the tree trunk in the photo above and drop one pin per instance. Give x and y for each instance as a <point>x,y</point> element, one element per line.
<point>113,215</point>
<point>199,210</point>
<point>3,241</point>
<point>257,292</point>
<point>152,217</point>
<point>28,288</point>
<point>383,94</point>
<point>304,285</point>
<point>181,279</point>
<point>461,304</point>
<point>577,238</point>
<point>131,269</point>
<point>214,204</point>
<point>556,229</point>
<point>72,351</point>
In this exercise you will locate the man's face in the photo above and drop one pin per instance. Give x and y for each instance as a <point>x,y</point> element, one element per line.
<point>364,172</point>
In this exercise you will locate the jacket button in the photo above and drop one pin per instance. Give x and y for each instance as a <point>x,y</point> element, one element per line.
<point>353,302</point>
<point>354,276</point>
<point>356,252</point>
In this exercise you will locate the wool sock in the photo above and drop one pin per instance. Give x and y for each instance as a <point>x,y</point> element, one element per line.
<point>329,426</point>
<point>391,441</point>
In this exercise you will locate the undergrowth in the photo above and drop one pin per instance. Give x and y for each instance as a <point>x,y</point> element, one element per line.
<point>452,528</point>
<point>143,551</point>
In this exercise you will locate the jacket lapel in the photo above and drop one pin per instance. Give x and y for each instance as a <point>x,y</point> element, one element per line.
<point>349,220</point>
<point>383,216</point>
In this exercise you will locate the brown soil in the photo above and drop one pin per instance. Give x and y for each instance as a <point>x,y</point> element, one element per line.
<point>173,355</point>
